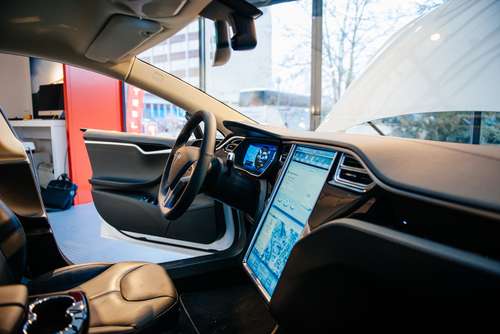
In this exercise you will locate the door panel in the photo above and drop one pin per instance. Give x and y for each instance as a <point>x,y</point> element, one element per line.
<point>123,163</point>
<point>127,170</point>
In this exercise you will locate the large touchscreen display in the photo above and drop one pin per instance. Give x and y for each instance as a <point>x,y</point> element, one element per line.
<point>287,214</point>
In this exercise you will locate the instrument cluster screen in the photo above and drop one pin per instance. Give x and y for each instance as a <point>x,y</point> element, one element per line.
<point>258,157</point>
<point>287,214</point>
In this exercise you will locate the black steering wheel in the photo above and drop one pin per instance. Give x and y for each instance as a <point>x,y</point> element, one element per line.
<point>187,167</point>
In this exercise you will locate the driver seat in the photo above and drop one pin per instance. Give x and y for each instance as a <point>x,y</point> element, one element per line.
<point>125,297</point>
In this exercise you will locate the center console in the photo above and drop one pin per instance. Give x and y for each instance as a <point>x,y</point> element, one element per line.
<point>66,313</point>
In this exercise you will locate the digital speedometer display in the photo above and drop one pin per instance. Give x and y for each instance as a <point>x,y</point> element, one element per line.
<point>258,157</point>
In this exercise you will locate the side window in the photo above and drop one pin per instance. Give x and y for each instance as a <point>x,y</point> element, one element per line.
<point>149,114</point>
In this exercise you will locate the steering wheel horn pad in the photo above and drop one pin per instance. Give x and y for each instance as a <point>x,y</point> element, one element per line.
<point>184,157</point>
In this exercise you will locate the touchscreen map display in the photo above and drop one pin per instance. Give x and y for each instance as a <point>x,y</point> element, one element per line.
<point>288,212</point>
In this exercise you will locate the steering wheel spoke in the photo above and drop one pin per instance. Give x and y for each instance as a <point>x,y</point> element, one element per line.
<point>187,167</point>
<point>174,193</point>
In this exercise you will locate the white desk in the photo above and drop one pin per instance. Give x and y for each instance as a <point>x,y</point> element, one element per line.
<point>49,136</point>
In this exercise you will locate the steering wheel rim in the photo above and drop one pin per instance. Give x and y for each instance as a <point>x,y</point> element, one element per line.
<point>187,167</point>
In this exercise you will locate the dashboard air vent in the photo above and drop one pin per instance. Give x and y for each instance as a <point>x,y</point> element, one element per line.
<point>351,162</point>
<point>284,154</point>
<point>232,144</point>
<point>351,174</point>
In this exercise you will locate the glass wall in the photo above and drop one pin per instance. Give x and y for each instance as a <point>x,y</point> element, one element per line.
<point>272,84</point>
<point>353,32</point>
<point>149,114</point>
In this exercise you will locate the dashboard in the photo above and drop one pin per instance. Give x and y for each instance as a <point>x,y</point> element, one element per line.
<point>300,173</point>
<point>356,220</point>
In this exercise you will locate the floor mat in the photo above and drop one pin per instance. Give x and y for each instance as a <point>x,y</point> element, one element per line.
<point>184,324</point>
<point>235,309</point>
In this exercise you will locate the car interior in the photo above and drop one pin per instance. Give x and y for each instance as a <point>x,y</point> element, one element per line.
<point>299,232</point>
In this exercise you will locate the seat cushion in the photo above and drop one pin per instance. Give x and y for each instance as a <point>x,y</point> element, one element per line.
<point>123,297</point>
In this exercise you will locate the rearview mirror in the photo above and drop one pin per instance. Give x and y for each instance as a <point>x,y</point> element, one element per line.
<point>222,49</point>
<point>240,15</point>
<point>245,37</point>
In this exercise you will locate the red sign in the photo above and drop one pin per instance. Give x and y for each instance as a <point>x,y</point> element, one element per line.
<point>134,107</point>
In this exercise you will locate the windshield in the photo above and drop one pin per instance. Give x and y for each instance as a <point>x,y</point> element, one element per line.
<point>361,66</point>
<point>276,83</point>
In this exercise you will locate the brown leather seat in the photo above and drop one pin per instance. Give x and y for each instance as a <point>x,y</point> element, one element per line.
<point>123,297</point>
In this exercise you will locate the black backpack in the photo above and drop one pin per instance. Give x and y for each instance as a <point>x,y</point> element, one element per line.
<point>59,194</point>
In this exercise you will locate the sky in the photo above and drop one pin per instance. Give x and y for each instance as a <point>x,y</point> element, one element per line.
<point>291,33</point>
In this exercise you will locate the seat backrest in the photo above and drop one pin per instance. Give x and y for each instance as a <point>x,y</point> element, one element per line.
<point>12,246</point>
<point>4,115</point>
<point>18,186</point>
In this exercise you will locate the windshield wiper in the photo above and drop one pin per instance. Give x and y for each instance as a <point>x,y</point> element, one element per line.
<point>376,128</point>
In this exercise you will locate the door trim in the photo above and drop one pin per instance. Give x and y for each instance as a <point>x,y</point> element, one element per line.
<point>95,142</point>
<point>218,245</point>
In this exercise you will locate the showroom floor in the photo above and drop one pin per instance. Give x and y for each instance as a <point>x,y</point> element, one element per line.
<point>83,236</point>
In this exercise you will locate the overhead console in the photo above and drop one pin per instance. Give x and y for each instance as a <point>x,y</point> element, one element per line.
<point>287,214</point>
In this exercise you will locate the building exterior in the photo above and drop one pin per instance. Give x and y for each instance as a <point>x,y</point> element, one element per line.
<point>180,56</point>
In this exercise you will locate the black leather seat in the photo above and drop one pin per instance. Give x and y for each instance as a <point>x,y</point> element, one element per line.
<point>123,297</point>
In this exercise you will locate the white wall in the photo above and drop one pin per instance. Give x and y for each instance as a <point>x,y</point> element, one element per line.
<point>15,85</point>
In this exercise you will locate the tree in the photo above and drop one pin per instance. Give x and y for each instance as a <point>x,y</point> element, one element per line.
<point>353,31</point>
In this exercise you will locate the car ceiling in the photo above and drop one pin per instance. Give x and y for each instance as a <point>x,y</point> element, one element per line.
<point>64,29</point>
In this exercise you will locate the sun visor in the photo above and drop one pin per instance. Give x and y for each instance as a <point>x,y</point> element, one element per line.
<point>120,36</point>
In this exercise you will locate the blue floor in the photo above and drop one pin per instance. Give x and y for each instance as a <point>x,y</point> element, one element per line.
<point>79,235</point>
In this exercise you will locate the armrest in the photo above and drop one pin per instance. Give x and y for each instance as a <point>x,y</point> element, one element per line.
<point>13,302</point>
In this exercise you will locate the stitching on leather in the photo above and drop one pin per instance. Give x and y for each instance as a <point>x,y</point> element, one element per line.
<point>99,295</point>
<point>125,274</point>
<point>175,300</point>
<point>152,298</point>
<point>119,283</point>
<point>10,304</point>
<point>141,300</point>
<point>128,328</point>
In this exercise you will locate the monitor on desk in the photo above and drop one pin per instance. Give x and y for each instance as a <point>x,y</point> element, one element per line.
<point>49,101</point>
